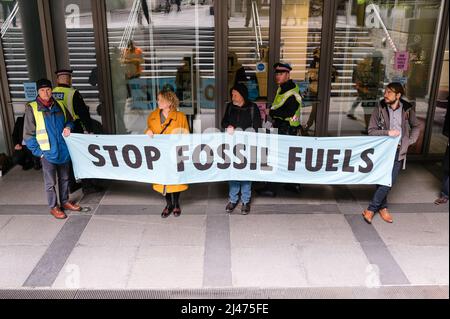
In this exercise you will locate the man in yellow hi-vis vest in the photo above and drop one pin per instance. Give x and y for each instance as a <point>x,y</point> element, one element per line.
<point>73,101</point>
<point>285,114</point>
<point>83,123</point>
<point>46,121</point>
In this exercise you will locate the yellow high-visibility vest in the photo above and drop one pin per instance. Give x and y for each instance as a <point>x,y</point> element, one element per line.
<point>41,131</point>
<point>65,95</point>
<point>279,101</point>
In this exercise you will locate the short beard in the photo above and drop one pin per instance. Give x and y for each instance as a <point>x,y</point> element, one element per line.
<point>391,102</point>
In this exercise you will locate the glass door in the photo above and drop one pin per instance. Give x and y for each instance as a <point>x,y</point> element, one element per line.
<point>248,47</point>
<point>378,42</point>
<point>301,31</point>
<point>249,31</point>
<point>156,45</point>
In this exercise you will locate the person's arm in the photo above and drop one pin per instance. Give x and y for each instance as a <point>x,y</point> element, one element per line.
<point>69,119</point>
<point>29,132</point>
<point>226,118</point>
<point>287,110</point>
<point>416,127</point>
<point>82,110</point>
<point>375,130</point>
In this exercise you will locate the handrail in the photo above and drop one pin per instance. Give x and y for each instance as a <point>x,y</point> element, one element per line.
<point>388,35</point>
<point>129,28</point>
<point>9,19</point>
<point>257,27</point>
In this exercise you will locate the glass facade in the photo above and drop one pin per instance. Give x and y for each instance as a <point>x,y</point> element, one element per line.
<point>82,57</point>
<point>378,42</point>
<point>2,138</point>
<point>14,52</point>
<point>439,137</point>
<point>156,45</point>
<point>248,48</point>
<point>301,31</point>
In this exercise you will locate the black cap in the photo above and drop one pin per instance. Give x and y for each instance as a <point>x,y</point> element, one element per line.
<point>64,71</point>
<point>43,83</point>
<point>282,67</point>
<point>242,89</point>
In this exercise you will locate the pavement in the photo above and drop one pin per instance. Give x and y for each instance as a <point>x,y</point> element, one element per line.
<point>309,245</point>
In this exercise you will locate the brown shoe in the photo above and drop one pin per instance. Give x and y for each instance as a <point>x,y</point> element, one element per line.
<point>177,211</point>
<point>167,211</point>
<point>73,207</point>
<point>368,216</point>
<point>384,213</point>
<point>58,213</point>
<point>441,200</point>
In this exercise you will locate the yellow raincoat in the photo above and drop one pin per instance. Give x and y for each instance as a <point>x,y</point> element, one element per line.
<point>176,123</point>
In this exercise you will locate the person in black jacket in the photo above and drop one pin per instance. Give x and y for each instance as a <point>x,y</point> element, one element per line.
<point>285,114</point>
<point>240,114</point>
<point>22,155</point>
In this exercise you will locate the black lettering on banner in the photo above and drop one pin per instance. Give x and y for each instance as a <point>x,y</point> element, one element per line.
<point>237,152</point>
<point>293,158</point>
<point>309,159</point>
<point>92,150</point>
<point>152,154</point>
<point>331,160</point>
<point>253,157</point>
<point>209,157</point>
<point>181,158</point>
<point>112,149</point>
<point>347,159</point>
<point>226,159</point>
<point>365,157</point>
<point>264,159</point>
<point>137,155</point>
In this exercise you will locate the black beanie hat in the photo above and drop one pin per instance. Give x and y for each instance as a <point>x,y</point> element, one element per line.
<point>43,83</point>
<point>242,89</point>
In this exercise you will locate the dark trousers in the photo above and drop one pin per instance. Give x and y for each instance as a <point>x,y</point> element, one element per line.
<point>25,158</point>
<point>51,172</point>
<point>379,199</point>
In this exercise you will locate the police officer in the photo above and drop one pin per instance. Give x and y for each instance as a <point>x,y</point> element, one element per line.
<point>45,120</point>
<point>285,114</point>
<point>74,102</point>
<point>285,110</point>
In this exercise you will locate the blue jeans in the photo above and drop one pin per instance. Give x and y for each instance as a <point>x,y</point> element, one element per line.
<point>239,186</point>
<point>379,199</point>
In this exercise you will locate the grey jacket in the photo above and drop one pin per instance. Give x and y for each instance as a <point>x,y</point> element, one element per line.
<point>411,127</point>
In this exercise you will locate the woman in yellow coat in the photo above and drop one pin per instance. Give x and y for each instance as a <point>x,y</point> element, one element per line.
<point>167,120</point>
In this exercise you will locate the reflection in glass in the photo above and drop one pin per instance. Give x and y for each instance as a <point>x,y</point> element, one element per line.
<point>14,53</point>
<point>301,27</point>
<point>82,58</point>
<point>378,42</point>
<point>248,48</point>
<point>161,45</point>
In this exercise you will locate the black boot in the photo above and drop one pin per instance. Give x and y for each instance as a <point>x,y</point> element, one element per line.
<point>169,207</point>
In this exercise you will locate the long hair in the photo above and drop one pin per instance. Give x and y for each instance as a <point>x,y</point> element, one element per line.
<point>170,97</point>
